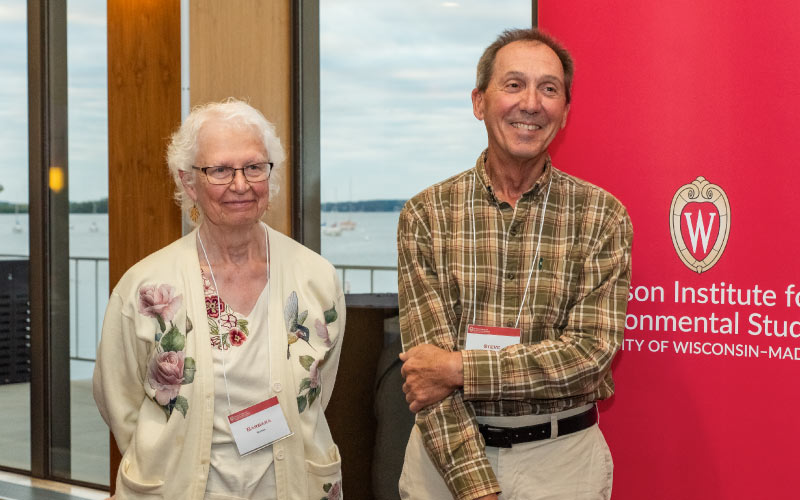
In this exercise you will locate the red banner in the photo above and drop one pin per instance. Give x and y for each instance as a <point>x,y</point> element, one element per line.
<point>688,112</point>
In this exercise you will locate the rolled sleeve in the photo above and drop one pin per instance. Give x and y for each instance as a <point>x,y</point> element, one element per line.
<point>448,428</point>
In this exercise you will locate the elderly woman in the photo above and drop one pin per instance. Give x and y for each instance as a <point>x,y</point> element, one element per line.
<point>219,351</point>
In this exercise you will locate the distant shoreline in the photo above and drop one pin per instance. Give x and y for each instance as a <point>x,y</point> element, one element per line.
<point>363,206</point>
<point>75,207</point>
<point>101,206</point>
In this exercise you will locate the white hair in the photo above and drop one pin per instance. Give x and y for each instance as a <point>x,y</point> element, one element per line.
<point>182,149</point>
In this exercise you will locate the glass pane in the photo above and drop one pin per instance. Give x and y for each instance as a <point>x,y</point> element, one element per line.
<point>15,447</point>
<point>396,117</point>
<point>88,228</point>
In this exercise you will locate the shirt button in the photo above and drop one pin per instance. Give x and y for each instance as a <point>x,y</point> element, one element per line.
<point>509,323</point>
<point>513,231</point>
<point>279,455</point>
<point>510,276</point>
<point>277,387</point>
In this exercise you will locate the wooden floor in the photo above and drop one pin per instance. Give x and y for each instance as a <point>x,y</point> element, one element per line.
<point>89,434</point>
<point>16,487</point>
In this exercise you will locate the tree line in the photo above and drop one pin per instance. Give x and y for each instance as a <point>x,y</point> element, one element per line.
<point>364,206</point>
<point>101,206</point>
<point>75,207</point>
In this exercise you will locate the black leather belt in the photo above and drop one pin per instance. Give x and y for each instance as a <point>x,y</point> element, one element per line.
<point>505,437</point>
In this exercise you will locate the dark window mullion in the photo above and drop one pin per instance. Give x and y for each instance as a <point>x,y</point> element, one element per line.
<point>49,239</point>
<point>306,119</point>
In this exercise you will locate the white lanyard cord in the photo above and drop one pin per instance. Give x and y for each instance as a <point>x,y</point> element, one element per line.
<point>474,252</point>
<point>534,264</point>
<point>219,313</point>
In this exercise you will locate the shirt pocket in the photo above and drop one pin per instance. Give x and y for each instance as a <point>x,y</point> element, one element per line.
<point>551,291</point>
<point>324,478</point>
<point>131,482</point>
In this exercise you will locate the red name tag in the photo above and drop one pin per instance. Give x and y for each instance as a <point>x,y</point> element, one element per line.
<point>492,338</point>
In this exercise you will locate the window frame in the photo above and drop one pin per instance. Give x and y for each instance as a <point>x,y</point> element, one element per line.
<point>49,240</point>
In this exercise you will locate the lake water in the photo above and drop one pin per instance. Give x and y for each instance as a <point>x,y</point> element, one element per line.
<point>88,278</point>
<point>372,242</point>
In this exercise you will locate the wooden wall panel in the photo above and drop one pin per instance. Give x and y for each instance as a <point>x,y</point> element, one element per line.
<point>144,107</point>
<point>243,49</point>
<point>350,412</point>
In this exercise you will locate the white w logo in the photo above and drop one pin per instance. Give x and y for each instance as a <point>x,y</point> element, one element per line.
<point>699,230</point>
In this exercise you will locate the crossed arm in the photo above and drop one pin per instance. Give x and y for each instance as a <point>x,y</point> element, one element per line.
<point>439,380</point>
<point>432,374</point>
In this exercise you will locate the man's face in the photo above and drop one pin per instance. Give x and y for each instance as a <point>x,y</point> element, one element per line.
<point>525,104</point>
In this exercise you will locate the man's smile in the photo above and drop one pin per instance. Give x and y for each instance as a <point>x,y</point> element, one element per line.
<point>526,126</point>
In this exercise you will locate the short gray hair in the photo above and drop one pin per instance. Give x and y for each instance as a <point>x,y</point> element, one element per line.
<point>486,62</point>
<point>182,149</point>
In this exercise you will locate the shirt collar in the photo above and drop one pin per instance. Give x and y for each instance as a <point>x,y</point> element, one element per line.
<point>483,176</point>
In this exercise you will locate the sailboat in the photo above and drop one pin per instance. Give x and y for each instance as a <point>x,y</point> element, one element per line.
<point>332,230</point>
<point>17,228</point>
<point>348,224</point>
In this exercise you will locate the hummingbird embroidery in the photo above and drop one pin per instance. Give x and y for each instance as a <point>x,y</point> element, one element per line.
<point>294,323</point>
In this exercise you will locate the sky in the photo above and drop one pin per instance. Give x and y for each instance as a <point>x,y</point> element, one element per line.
<point>87,97</point>
<point>395,83</point>
<point>396,78</point>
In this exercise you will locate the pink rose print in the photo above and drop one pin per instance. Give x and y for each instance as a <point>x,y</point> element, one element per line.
<point>322,332</point>
<point>314,374</point>
<point>236,337</point>
<point>335,493</point>
<point>227,320</point>
<point>214,305</point>
<point>166,375</point>
<point>159,302</point>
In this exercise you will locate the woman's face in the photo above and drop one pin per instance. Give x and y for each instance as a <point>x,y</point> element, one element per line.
<point>241,202</point>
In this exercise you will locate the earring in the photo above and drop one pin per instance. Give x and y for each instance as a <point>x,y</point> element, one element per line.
<point>194,214</point>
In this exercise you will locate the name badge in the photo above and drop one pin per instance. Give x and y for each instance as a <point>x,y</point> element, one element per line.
<point>492,338</point>
<point>258,426</point>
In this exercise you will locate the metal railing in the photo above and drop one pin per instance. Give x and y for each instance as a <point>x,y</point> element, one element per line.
<point>77,300</point>
<point>371,269</point>
<point>78,268</point>
<point>75,295</point>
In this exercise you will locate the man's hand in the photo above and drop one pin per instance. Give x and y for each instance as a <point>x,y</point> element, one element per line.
<point>431,374</point>
<point>493,496</point>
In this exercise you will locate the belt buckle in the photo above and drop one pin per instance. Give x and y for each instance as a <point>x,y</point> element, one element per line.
<point>496,436</point>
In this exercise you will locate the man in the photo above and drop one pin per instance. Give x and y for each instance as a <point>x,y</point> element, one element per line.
<point>513,281</point>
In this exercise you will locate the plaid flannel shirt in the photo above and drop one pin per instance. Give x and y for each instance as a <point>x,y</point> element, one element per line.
<point>572,319</point>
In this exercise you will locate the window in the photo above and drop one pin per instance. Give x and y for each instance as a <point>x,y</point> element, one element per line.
<point>15,353</point>
<point>53,226</point>
<point>87,96</point>
<point>395,117</point>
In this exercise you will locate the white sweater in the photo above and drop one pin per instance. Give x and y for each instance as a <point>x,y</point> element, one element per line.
<point>165,435</point>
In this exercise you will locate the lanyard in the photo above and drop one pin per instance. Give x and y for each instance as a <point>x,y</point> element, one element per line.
<point>475,252</point>
<point>219,311</point>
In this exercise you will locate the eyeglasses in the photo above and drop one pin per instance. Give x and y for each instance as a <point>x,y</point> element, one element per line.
<point>256,172</point>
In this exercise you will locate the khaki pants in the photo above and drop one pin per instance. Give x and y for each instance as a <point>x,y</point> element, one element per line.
<point>577,466</point>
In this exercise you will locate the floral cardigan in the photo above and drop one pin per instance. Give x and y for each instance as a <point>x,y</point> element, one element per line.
<point>154,382</point>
